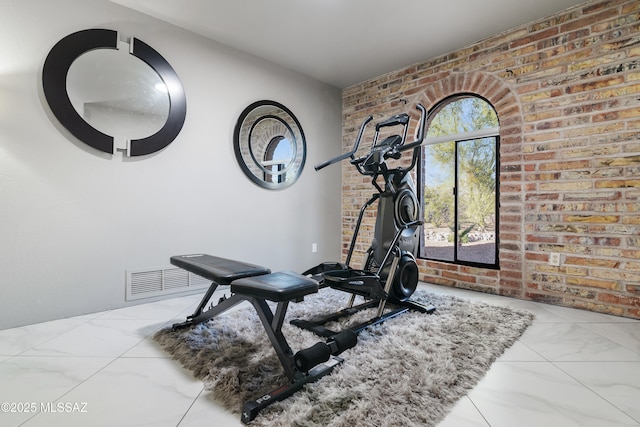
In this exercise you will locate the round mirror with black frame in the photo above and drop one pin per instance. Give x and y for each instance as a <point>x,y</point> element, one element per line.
<point>91,118</point>
<point>269,144</point>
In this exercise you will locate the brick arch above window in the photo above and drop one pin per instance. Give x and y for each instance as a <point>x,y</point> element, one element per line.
<point>493,89</point>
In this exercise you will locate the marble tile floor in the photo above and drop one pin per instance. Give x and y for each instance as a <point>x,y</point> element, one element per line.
<point>570,368</point>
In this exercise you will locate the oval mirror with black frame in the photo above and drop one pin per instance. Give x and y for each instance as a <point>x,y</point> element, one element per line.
<point>94,93</point>
<point>270,145</point>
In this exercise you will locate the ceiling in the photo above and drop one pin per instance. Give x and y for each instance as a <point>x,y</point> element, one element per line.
<point>344,42</point>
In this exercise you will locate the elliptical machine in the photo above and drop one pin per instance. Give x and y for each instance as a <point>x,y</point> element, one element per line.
<point>390,271</point>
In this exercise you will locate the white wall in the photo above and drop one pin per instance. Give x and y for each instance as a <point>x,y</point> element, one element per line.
<point>72,220</point>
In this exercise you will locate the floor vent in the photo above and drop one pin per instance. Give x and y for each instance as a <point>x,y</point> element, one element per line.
<point>147,283</point>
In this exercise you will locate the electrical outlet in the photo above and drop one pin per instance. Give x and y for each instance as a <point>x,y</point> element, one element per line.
<point>554,259</point>
<point>314,247</point>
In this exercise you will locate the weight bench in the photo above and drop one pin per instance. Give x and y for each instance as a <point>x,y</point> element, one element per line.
<point>257,285</point>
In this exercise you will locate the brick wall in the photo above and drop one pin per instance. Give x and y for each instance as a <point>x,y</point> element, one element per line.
<point>567,93</point>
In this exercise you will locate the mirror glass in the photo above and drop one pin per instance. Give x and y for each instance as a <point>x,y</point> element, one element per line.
<point>118,94</point>
<point>270,145</point>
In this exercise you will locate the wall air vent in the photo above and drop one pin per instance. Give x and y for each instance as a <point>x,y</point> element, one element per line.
<point>148,283</point>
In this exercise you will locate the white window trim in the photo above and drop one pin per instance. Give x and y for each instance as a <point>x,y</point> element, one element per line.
<point>466,136</point>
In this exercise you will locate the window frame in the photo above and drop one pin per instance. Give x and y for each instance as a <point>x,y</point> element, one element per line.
<point>494,133</point>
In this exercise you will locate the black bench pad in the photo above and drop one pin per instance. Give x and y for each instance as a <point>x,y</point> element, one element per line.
<point>281,286</point>
<point>223,271</point>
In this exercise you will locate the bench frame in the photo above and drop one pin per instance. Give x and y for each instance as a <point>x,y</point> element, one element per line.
<point>246,286</point>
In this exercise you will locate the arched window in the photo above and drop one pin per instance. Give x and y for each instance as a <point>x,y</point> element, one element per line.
<point>276,157</point>
<point>459,182</point>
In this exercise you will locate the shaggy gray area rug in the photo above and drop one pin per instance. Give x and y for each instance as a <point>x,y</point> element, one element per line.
<point>409,371</point>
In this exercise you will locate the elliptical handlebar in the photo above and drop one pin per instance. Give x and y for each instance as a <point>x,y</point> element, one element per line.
<point>421,128</point>
<point>350,153</point>
<point>388,151</point>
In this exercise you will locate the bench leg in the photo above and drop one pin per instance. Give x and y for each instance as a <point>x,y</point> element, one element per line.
<point>273,327</point>
<point>272,323</point>
<point>251,409</point>
<point>200,316</point>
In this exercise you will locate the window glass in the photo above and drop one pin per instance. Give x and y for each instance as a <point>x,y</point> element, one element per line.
<point>462,115</point>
